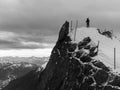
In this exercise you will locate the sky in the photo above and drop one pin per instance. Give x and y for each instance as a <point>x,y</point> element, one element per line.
<point>29,27</point>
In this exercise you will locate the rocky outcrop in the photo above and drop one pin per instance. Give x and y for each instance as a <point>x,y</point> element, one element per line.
<point>108,34</point>
<point>71,67</point>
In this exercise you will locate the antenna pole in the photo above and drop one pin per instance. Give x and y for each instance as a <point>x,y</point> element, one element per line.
<point>114,58</point>
<point>75,29</point>
<point>71,26</point>
<point>98,46</point>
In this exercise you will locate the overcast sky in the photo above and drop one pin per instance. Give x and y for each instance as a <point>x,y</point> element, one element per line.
<point>34,24</point>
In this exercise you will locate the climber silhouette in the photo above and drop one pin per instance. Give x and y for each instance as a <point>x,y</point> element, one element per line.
<point>87,22</point>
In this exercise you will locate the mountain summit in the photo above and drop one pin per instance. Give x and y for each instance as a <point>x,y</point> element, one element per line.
<point>107,42</point>
<point>74,65</point>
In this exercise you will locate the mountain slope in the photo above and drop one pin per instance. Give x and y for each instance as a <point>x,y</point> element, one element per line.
<point>106,45</point>
<point>72,66</point>
<point>11,71</point>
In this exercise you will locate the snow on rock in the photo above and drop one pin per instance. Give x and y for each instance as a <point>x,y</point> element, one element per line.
<point>44,65</point>
<point>77,67</point>
<point>28,65</point>
<point>106,45</point>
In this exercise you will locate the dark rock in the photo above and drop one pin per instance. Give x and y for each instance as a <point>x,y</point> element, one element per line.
<point>101,77</point>
<point>72,47</point>
<point>110,88</point>
<point>99,31</point>
<point>92,88</point>
<point>107,33</point>
<point>80,78</point>
<point>70,55</point>
<point>99,87</point>
<point>85,58</point>
<point>84,43</point>
<point>80,46</point>
<point>87,69</point>
<point>87,82</point>
<point>100,65</point>
<point>116,81</point>
<point>87,47</point>
<point>78,54</point>
<point>87,39</point>
<point>92,51</point>
<point>64,31</point>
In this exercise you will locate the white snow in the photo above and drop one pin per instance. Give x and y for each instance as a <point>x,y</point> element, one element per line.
<point>28,65</point>
<point>106,45</point>
<point>44,65</point>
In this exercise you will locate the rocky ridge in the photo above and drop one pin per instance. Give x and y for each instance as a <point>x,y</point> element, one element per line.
<point>71,67</point>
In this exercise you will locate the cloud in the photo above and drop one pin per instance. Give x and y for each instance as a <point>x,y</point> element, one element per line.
<point>26,52</point>
<point>46,16</point>
<point>35,23</point>
<point>11,40</point>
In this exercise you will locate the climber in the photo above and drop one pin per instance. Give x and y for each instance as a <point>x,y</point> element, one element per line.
<point>87,22</point>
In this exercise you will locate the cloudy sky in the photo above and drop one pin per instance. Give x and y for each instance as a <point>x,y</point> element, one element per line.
<point>30,25</point>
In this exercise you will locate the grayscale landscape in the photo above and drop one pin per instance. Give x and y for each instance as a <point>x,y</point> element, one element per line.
<point>59,44</point>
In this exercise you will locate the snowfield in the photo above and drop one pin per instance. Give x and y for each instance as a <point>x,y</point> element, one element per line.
<point>106,45</point>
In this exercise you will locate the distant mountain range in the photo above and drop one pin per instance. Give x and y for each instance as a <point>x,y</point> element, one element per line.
<point>34,60</point>
<point>15,67</point>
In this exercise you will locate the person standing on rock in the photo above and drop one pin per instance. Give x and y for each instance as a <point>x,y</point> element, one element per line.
<point>87,22</point>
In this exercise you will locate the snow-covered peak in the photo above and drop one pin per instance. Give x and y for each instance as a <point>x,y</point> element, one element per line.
<point>106,45</point>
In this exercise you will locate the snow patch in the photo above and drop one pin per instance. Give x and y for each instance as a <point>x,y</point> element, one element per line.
<point>106,45</point>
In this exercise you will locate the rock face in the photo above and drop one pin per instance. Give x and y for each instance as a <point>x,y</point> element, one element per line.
<point>107,33</point>
<point>71,67</point>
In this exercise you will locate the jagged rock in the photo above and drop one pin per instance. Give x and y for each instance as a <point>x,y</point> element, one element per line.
<point>78,54</point>
<point>100,65</point>
<point>116,81</point>
<point>86,84</point>
<point>101,77</point>
<point>92,51</point>
<point>87,69</point>
<point>107,33</point>
<point>110,88</point>
<point>84,42</point>
<point>64,31</point>
<point>85,58</point>
<point>87,47</point>
<point>87,39</point>
<point>72,47</point>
